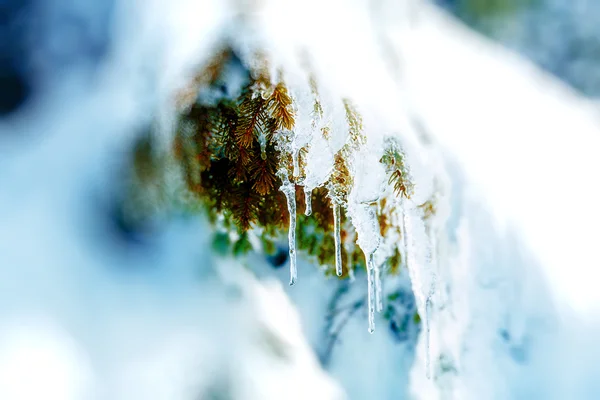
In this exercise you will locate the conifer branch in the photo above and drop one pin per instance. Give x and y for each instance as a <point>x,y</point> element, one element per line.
<point>280,107</point>
<point>251,118</point>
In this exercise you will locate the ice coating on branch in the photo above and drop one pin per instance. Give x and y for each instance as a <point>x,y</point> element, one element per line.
<point>308,201</point>
<point>327,133</point>
<point>303,130</point>
<point>296,163</point>
<point>289,190</point>
<point>335,120</point>
<point>319,162</point>
<point>369,176</point>
<point>364,220</point>
<point>338,240</point>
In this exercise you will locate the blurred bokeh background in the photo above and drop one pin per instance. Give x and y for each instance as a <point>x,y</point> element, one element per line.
<point>561,36</point>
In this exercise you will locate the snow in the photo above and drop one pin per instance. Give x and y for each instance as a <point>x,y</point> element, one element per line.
<point>504,276</point>
<point>515,275</point>
<point>41,352</point>
<point>510,109</point>
<point>87,312</point>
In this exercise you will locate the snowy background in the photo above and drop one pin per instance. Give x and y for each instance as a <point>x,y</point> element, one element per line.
<point>561,36</point>
<point>92,309</point>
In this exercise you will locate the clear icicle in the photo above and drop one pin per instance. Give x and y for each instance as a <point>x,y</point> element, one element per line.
<point>371,291</point>
<point>291,201</point>
<point>307,201</point>
<point>338,240</point>
<point>378,289</point>
<point>288,189</point>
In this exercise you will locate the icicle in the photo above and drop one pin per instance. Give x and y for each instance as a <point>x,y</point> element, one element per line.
<point>296,163</point>
<point>371,291</point>
<point>291,201</point>
<point>307,201</point>
<point>289,191</point>
<point>364,219</point>
<point>338,240</point>
<point>422,293</point>
<point>427,334</point>
<point>405,235</point>
<point>378,289</point>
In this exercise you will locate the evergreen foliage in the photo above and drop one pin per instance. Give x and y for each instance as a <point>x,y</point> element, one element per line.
<point>231,155</point>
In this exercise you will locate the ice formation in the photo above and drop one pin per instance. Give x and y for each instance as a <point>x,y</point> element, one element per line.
<point>290,194</point>
<point>308,202</point>
<point>327,139</point>
<point>378,289</point>
<point>371,291</point>
<point>337,238</point>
